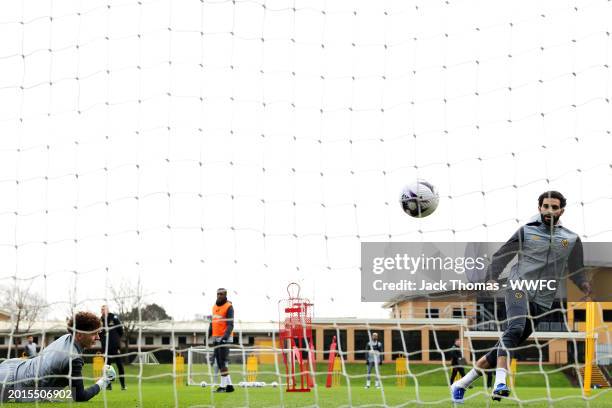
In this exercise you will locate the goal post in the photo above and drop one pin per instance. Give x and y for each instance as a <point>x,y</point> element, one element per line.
<point>145,358</point>
<point>243,363</point>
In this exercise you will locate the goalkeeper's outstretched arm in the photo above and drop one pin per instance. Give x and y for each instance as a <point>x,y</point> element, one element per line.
<point>80,393</point>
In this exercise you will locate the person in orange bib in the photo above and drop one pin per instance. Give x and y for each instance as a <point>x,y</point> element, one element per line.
<point>220,334</point>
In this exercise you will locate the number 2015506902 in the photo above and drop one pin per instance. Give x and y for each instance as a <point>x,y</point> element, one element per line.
<point>39,394</point>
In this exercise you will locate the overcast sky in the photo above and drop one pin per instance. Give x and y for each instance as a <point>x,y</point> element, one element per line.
<point>250,144</point>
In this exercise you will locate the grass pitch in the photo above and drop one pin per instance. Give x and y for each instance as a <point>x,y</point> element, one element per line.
<point>156,388</point>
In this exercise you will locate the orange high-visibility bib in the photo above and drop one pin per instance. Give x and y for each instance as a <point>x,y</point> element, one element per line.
<point>219,319</point>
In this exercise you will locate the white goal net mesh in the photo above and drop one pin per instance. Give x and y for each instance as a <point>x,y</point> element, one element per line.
<point>153,151</point>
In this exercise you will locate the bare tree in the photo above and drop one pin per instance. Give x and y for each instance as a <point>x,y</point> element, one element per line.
<point>71,305</point>
<point>126,297</point>
<point>24,306</point>
<point>128,301</point>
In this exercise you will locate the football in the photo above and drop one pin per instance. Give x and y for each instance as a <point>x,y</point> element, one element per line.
<point>419,199</point>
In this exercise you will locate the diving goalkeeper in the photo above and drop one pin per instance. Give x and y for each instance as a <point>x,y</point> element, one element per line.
<point>58,365</point>
<point>546,250</point>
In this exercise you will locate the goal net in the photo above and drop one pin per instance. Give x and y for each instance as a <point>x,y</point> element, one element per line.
<point>202,369</point>
<point>152,151</point>
<point>147,358</point>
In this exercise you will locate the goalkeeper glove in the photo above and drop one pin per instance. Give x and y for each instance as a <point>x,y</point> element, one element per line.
<point>108,375</point>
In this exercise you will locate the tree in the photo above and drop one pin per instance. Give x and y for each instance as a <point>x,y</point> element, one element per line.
<point>24,306</point>
<point>152,312</point>
<point>127,297</point>
<point>147,313</point>
<point>131,309</point>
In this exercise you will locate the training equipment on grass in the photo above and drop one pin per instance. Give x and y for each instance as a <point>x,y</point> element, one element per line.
<point>401,370</point>
<point>179,370</point>
<point>251,384</point>
<point>201,372</point>
<point>295,334</point>
<point>331,363</point>
<point>252,368</point>
<point>98,365</point>
<point>589,347</point>
<point>146,358</point>
<point>512,373</point>
<point>337,372</point>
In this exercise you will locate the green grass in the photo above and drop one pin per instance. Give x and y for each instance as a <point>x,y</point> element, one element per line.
<point>157,390</point>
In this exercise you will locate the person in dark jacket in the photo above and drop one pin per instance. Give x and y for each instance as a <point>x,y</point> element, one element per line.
<point>457,361</point>
<point>59,365</point>
<point>110,337</point>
